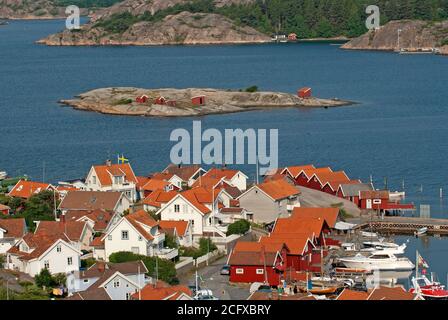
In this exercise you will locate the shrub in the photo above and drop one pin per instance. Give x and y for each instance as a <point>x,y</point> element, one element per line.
<point>44,279</point>
<point>238,227</point>
<point>166,270</point>
<point>87,263</point>
<point>252,89</point>
<point>206,245</point>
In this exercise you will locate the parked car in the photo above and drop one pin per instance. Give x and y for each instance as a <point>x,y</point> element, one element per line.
<point>225,270</point>
<point>204,294</point>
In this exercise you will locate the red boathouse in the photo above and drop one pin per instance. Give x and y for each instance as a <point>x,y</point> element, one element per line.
<point>304,93</point>
<point>198,100</point>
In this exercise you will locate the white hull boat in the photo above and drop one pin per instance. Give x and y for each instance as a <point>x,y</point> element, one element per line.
<point>3,175</point>
<point>378,261</point>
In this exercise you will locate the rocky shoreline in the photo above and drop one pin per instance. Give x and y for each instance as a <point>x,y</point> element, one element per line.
<point>178,102</point>
<point>415,36</point>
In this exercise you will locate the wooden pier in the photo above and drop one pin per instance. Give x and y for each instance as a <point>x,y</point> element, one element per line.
<point>403,225</point>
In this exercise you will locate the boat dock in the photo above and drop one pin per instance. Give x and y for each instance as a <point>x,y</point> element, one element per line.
<point>403,225</point>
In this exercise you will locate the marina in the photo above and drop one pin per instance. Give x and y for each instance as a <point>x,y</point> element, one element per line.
<point>405,225</point>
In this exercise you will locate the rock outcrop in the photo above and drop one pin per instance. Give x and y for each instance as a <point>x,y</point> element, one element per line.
<point>415,35</point>
<point>122,101</point>
<point>184,28</point>
<point>33,9</point>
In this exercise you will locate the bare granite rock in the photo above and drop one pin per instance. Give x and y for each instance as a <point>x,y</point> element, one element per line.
<point>415,35</point>
<point>32,9</point>
<point>122,101</point>
<point>184,28</point>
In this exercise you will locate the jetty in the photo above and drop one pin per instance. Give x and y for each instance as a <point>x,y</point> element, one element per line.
<point>402,225</point>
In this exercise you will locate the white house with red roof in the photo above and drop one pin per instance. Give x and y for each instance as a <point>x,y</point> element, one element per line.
<point>181,230</point>
<point>138,233</point>
<point>113,177</point>
<point>235,178</point>
<point>35,252</point>
<point>11,231</point>
<point>269,200</point>
<point>26,189</point>
<point>194,205</point>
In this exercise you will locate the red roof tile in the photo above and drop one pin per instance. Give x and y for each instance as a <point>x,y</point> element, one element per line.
<point>330,215</point>
<point>161,291</point>
<point>158,198</point>
<point>15,228</point>
<point>72,229</point>
<point>278,189</point>
<point>26,189</point>
<point>180,226</point>
<point>106,172</point>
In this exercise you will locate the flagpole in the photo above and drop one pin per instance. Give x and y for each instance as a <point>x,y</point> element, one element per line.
<point>416,264</point>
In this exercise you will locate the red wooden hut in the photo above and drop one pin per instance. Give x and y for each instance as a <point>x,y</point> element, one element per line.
<point>160,100</point>
<point>304,92</point>
<point>141,99</point>
<point>198,100</point>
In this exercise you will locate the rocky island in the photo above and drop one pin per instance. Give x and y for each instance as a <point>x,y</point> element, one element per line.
<point>34,9</point>
<point>414,36</point>
<point>188,102</point>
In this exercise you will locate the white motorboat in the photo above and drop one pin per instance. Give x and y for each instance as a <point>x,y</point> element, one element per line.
<point>421,231</point>
<point>3,175</point>
<point>351,247</point>
<point>379,244</point>
<point>369,234</point>
<point>377,261</point>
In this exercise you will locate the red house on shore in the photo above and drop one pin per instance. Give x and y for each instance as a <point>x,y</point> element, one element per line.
<point>4,210</point>
<point>373,199</point>
<point>304,92</point>
<point>198,100</point>
<point>305,175</point>
<point>351,191</point>
<point>257,262</point>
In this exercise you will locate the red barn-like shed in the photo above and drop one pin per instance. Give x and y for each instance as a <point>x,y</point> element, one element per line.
<point>304,93</point>
<point>160,101</point>
<point>141,99</point>
<point>4,209</point>
<point>198,100</point>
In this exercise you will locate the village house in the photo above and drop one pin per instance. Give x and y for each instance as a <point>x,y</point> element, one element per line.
<point>303,178</point>
<point>5,210</point>
<point>78,233</point>
<point>94,200</point>
<point>131,272</point>
<point>26,189</point>
<point>330,215</point>
<point>234,178</point>
<point>257,262</point>
<point>137,233</point>
<point>181,175</point>
<point>180,230</point>
<point>35,252</point>
<point>194,205</point>
<point>373,199</point>
<point>163,291</point>
<point>319,179</point>
<point>78,184</point>
<point>152,184</point>
<point>11,231</point>
<point>99,220</point>
<point>157,199</point>
<point>351,191</point>
<point>269,200</point>
<point>113,177</point>
<point>293,171</point>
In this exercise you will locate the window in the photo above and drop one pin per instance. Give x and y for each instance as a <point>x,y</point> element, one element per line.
<point>86,280</point>
<point>124,235</point>
<point>69,261</point>
<point>128,296</point>
<point>239,271</point>
<point>176,208</point>
<point>116,283</point>
<point>94,179</point>
<point>58,248</point>
<point>260,271</point>
<point>109,237</point>
<point>376,201</point>
<point>47,264</point>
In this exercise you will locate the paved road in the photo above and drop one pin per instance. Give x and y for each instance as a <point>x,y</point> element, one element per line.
<point>219,284</point>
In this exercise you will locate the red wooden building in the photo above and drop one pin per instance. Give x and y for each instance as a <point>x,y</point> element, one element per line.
<point>373,199</point>
<point>198,100</point>
<point>256,262</point>
<point>141,99</point>
<point>304,93</point>
<point>292,37</point>
<point>305,175</point>
<point>351,191</point>
<point>4,210</point>
<point>160,101</point>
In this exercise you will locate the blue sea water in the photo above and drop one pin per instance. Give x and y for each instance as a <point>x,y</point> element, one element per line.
<point>398,130</point>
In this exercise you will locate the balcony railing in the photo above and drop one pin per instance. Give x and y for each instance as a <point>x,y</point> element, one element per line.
<point>167,253</point>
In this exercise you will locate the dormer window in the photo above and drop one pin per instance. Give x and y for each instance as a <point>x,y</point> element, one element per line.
<point>118,180</point>
<point>94,179</point>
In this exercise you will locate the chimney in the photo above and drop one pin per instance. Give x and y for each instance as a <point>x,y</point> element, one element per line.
<point>108,162</point>
<point>101,266</point>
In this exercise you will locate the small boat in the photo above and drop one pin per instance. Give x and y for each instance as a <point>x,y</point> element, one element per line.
<point>421,231</point>
<point>3,175</point>
<point>428,289</point>
<point>4,23</point>
<point>397,195</point>
<point>380,244</point>
<point>320,291</point>
<point>378,261</point>
<point>369,234</point>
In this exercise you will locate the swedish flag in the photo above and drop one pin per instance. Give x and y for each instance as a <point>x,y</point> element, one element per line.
<point>122,159</point>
